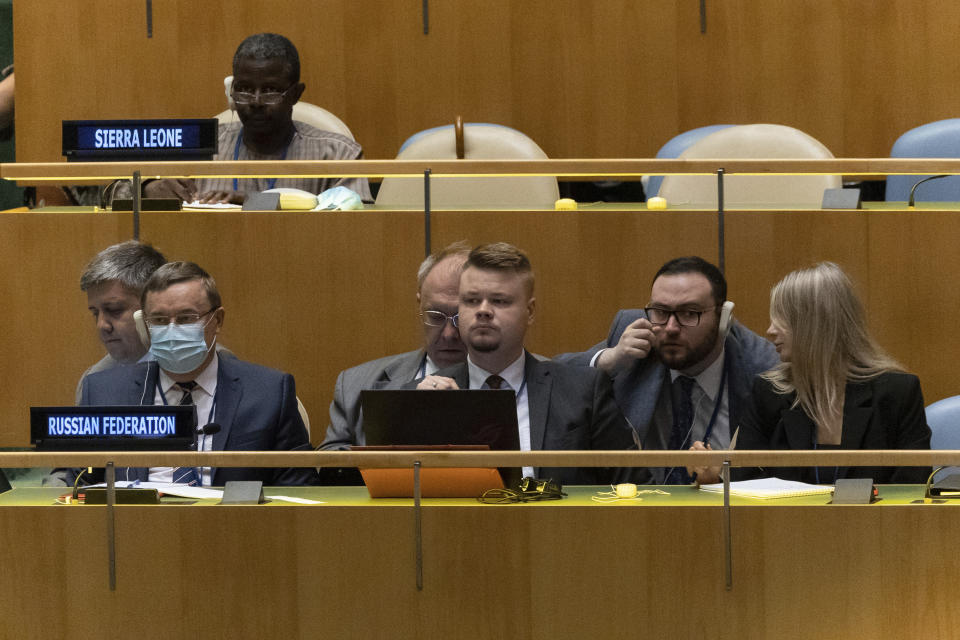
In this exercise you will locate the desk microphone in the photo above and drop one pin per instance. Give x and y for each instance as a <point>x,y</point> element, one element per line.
<point>920,182</point>
<point>208,429</point>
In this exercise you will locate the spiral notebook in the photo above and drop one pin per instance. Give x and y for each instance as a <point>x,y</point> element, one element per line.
<point>769,488</point>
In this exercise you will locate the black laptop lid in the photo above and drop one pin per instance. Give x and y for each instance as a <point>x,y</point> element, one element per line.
<point>458,417</point>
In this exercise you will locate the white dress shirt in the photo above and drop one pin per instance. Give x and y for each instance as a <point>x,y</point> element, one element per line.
<point>203,397</point>
<point>704,398</point>
<point>513,378</point>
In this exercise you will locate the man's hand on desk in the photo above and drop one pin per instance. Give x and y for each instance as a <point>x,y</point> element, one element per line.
<point>437,382</point>
<point>705,475</point>
<point>634,344</point>
<point>222,197</point>
<point>181,188</point>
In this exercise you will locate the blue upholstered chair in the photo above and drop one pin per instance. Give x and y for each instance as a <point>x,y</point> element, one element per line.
<point>944,420</point>
<point>473,141</point>
<point>940,139</point>
<point>674,147</point>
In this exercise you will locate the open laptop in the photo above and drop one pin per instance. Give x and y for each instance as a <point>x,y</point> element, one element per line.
<point>406,420</point>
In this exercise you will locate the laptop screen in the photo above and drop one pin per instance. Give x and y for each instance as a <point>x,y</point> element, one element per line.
<point>460,417</point>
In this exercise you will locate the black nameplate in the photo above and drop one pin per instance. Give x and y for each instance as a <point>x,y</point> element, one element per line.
<point>118,140</point>
<point>123,496</point>
<point>148,204</point>
<point>126,428</point>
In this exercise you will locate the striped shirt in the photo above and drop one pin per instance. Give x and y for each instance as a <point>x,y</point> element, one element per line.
<point>308,143</point>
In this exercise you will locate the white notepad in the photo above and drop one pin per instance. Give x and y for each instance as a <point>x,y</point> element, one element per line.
<point>767,488</point>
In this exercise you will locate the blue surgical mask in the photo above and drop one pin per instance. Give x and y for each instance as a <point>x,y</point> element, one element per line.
<point>179,348</point>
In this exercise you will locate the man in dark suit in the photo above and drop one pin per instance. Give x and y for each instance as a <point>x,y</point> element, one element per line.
<point>437,282</point>
<point>558,407</point>
<point>255,407</point>
<point>682,369</point>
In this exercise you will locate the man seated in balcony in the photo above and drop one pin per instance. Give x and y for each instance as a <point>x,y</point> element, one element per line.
<point>266,85</point>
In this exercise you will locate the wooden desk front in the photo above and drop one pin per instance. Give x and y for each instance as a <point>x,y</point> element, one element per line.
<point>567,569</point>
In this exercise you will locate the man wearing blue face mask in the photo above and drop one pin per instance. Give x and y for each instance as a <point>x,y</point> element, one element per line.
<point>255,407</point>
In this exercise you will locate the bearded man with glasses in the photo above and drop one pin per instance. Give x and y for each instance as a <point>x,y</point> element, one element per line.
<point>682,369</point>
<point>254,407</point>
<point>266,85</point>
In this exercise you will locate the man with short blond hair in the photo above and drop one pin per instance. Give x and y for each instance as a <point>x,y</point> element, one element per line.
<point>558,406</point>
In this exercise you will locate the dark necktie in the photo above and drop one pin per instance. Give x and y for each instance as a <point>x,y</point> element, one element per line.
<point>494,382</point>
<point>187,475</point>
<point>682,422</point>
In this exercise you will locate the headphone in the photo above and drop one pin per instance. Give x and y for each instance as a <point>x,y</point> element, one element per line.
<point>726,313</point>
<point>141,328</point>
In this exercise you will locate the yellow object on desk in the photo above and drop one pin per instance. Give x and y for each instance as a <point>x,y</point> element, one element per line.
<point>656,202</point>
<point>297,201</point>
<point>565,204</point>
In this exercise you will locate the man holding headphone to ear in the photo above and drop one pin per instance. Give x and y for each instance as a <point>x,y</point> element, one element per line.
<point>682,369</point>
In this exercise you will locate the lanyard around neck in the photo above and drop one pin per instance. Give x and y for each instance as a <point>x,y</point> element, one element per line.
<point>236,155</point>
<point>213,405</point>
<point>716,405</point>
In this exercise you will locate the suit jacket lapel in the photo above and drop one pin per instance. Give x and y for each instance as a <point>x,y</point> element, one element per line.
<point>228,394</point>
<point>143,391</point>
<point>639,386</point>
<point>857,412</point>
<point>539,384</point>
<point>798,429</point>
<point>405,368</point>
<point>461,376</point>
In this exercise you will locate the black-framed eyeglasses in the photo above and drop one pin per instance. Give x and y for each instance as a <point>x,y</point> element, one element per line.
<point>180,318</point>
<point>685,317</point>
<point>439,318</point>
<point>266,97</point>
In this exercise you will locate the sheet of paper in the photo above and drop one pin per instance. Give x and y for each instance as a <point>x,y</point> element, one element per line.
<point>216,205</point>
<point>295,500</point>
<point>767,488</point>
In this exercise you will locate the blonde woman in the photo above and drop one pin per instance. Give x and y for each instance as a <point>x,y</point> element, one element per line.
<point>834,388</point>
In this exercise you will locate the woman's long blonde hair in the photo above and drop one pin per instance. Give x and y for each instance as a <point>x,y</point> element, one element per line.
<point>830,341</point>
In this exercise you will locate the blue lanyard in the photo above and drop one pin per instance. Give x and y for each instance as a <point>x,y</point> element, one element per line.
<point>236,155</point>
<point>716,405</point>
<point>213,405</point>
<point>816,470</point>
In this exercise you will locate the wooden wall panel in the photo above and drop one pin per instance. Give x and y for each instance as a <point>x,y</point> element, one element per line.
<point>584,78</point>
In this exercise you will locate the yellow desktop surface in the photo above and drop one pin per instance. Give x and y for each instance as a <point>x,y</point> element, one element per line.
<point>577,496</point>
<point>572,568</point>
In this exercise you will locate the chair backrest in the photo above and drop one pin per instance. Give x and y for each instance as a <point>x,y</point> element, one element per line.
<point>761,141</point>
<point>304,112</point>
<point>481,141</point>
<point>940,139</point>
<point>673,148</point>
<point>943,417</point>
